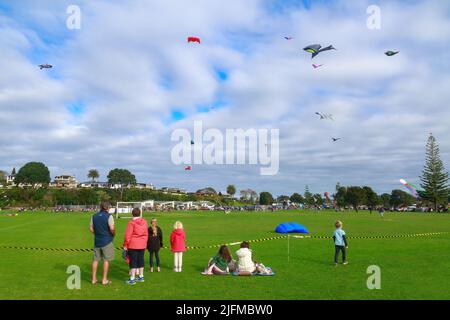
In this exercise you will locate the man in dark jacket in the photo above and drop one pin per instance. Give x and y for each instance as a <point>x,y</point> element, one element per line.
<point>155,242</point>
<point>102,226</point>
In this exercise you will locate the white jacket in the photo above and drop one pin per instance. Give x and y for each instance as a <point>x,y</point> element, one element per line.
<point>245,262</point>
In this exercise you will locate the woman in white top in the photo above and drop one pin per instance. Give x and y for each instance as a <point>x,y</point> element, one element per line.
<point>245,262</point>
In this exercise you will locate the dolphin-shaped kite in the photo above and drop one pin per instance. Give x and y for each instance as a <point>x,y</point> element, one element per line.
<point>391,53</point>
<point>315,49</point>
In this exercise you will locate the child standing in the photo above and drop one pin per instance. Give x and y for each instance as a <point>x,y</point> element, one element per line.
<point>155,242</point>
<point>340,243</point>
<point>178,246</point>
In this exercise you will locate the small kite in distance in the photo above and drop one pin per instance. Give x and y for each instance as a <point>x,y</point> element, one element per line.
<point>391,53</point>
<point>315,49</point>
<point>188,168</point>
<point>335,139</point>
<point>193,39</point>
<point>324,116</point>
<point>192,142</point>
<point>45,66</point>
<point>288,38</point>
<point>317,66</point>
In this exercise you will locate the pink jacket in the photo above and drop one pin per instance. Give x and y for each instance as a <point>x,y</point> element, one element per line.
<point>177,240</point>
<point>136,235</point>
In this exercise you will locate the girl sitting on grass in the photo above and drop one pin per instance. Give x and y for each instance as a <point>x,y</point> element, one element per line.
<point>219,264</point>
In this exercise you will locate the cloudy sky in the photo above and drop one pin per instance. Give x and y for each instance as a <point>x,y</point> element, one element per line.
<point>128,78</point>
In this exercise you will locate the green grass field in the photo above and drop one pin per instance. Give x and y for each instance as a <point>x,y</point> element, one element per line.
<point>411,267</point>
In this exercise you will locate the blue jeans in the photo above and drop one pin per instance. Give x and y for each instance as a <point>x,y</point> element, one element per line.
<point>156,253</point>
<point>336,253</point>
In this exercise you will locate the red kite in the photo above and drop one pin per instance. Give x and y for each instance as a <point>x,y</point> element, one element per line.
<point>193,39</point>
<point>188,168</point>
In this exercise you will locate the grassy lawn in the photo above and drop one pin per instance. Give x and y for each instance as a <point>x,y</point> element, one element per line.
<point>411,268</point>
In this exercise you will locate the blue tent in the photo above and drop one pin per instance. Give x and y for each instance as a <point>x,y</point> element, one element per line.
<point>291,227</point>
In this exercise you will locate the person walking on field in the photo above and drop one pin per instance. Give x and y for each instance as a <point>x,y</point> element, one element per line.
<point>135,243</point>
<point>178,246</point>
<point>102,226</point>
<point>155,242</point>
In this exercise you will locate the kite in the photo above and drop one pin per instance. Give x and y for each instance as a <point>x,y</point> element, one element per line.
<point>288,38</point>
<point>188,168</point>
<point>391,53</point>
<point>317,66</point>
<point>335,139</point>
<point>45,66</point>
<point>315,49</point>
<point>192,142</point>
<point>325,116</point>
<point>193,39</point>
<point>412,188</point>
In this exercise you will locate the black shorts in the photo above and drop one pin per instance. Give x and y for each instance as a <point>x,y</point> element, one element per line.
<point>136,258</point>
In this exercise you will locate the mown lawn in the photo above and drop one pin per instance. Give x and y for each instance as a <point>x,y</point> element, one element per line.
<point>411,267</point>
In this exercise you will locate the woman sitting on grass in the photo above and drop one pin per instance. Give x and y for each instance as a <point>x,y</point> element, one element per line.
<point>246,266</point>
<point>219,265</point>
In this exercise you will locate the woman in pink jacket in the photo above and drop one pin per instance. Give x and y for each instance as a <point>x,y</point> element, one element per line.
<point>135,242</point>
<point>178,245</point>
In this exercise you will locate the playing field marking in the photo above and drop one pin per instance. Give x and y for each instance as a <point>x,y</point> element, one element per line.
<point>399,236</point>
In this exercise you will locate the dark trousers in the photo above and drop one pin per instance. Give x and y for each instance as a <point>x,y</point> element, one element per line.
<point>336,253</point>
<point>156,253</point>
<point>136,258</point>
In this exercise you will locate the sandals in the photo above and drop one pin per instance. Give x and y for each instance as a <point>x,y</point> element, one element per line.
<point>107,283</point>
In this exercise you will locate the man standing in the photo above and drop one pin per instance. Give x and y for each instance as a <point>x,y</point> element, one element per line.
<point>102,226</point>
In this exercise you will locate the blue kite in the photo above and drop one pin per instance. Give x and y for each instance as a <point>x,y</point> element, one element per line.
<point>291,227</point>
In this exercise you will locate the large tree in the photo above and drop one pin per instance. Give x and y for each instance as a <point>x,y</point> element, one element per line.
<point>33,173</point>
<point>122,177</point>
<point>93,174</point>
<point>340,197</point>
<point>355,196</point>
<point>372,199</point>
<point>309,199</point>
<point>231,190</point>
<point>400,198</point>
<point>434,179</point>
<point>265,198</point>
<point>297,198</point>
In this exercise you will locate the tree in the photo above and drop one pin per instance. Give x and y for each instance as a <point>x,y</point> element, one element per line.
<point>2,176</point>
<point>231,190</point>
<point>318,200</point>
<point>434,179</point>
<point>372,199</point>
<point>385,200</point>
<point>93,174</point>
<point>297,198</point>
<point>122,177</point>
<point>308,196</point>
<point>340,196</point>
<point>401,198</point>
<point>13,172</point>
<point>265,198</point>
<point>33,173</point>
<point>355,196</point>
<point>282,198</point>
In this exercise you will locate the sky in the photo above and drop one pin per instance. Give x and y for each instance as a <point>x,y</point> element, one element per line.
<point>124,81</point>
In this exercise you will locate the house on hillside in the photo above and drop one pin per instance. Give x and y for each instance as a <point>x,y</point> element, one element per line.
<point>64,181</point>
<point>206,192</point>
